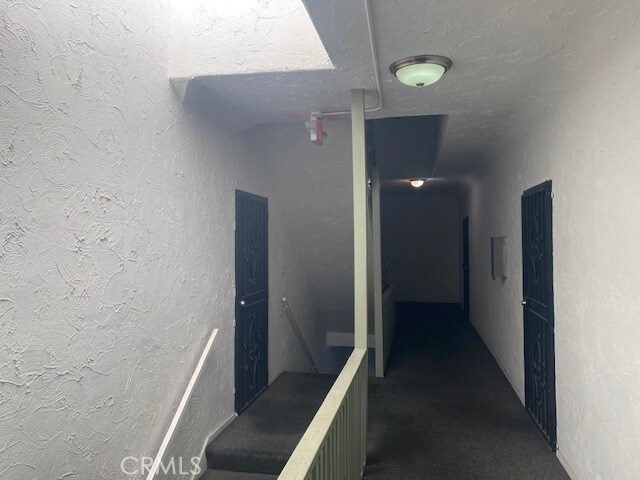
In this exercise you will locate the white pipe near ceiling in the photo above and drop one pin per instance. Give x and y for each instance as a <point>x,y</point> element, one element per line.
<point>372,44</point>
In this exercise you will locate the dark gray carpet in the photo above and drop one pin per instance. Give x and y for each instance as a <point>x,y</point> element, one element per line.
<point>445,411</point>
<point>224,475</point>
<point>262,439</point>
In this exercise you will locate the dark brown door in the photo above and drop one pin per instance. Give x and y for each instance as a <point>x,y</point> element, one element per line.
<point>252,298</point>
<point>537,303</point>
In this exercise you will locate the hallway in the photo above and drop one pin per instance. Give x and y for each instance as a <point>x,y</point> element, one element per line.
<point>443,412</point>
<point>430,153</point>
<point>446,411</point>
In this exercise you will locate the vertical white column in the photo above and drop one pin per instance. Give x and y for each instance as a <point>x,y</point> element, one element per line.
<point>359,218</point>
<point>377,271</point>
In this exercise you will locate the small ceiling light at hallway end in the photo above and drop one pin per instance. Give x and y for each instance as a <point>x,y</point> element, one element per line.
<point>420,70</point>
<point>417,182</point>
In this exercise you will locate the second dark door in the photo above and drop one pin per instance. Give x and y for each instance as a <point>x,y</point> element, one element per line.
<point>537,302</point>
<point>252,298</point>
<point>465,265</point>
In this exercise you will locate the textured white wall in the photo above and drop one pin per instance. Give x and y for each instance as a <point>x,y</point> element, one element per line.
<point>314,183</point>
<point>421,243</point>
<point>232,37</point>
<point>286,279</point>
<point>116,244</point>
<point>587,142</point>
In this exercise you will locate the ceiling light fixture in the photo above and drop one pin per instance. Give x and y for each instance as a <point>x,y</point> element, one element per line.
<point>417,182</point>
<point>420,70</point>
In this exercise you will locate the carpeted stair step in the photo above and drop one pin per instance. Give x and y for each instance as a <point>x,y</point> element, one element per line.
<point>262,439</point>
<point>226,475</point>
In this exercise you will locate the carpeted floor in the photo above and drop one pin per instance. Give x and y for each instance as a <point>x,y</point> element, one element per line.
<point>226,475</point>
<point>445,411</point>
<point>261,440</point>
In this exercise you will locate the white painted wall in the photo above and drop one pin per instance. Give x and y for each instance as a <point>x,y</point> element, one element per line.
<point>116,244</point>
<point>235,37</point>
<point>314,183</point>
<point>588,143</point>
<point>421,244</point>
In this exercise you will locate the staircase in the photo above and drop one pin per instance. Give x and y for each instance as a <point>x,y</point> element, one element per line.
<point>258,444</point>
<point>226,475</point>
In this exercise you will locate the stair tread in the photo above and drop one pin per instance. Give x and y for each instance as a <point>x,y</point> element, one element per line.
<point>263,438</point>
<point>226,475</point>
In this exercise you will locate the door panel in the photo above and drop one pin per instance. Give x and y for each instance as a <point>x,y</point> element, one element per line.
<point>252,298</point>
<point>537,269</point>
<point>465,265</point>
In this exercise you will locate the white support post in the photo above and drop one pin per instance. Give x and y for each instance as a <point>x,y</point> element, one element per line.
<point>335,444</point>
<point>377,272</point>
<point>359,219</point>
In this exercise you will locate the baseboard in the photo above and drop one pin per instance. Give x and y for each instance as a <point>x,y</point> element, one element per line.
<point>216,431</point>
<point>513,384</point>
<point>273,377</point>
<point>567,465</point>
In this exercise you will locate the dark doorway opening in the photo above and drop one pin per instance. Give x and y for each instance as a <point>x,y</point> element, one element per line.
<point>465,266</point>
<point>252,298</point>
<point>537,302</point>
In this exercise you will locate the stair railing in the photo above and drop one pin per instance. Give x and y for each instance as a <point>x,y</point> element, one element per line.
<point>153,471</point>
<point>298,333</point>
<point>334,445</point>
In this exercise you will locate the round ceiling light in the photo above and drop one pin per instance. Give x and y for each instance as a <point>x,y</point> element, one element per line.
<point>417,182</point>
<point>420,70</point>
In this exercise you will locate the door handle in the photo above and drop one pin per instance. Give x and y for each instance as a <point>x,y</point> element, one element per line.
<point>523,302</point>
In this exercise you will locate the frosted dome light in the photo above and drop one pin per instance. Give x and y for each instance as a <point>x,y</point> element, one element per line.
<point>420,70</point>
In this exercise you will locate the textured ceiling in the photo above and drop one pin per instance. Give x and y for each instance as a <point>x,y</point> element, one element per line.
<point>511,59</point>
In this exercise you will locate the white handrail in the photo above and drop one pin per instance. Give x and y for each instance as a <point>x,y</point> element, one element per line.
<point>183,404</point>
<point>334,445</point>
<point>286,307</point>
